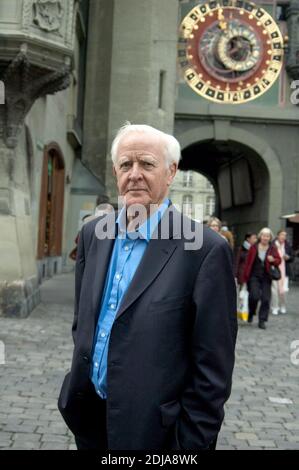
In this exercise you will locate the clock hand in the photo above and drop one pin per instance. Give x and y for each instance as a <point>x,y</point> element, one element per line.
<point>221,20</point>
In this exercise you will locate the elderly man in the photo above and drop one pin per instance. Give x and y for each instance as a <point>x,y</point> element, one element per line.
<point>154,327</point>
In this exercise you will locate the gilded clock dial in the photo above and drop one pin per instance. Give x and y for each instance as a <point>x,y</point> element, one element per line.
<point>231,51</point>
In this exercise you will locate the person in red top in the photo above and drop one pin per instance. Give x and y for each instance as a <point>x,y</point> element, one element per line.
<point>241,255</point>
<point>256,275</point>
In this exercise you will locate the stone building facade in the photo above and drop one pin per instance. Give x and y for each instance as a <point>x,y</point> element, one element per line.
<point>193,194</point>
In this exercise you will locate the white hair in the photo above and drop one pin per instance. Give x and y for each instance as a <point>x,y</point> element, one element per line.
<point>266,231</point>
<point>172,146</point>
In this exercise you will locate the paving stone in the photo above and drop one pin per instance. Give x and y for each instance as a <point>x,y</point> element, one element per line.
<point>6,436</point>
<point>292,426</point>
<point>5,444</point>
<point>53,438</point>
<point>261,444</point>
<point>20,428</point>
<point>245,436</point>
<point>224,447</point>
<point>55,431</point>
<point>54,446</point>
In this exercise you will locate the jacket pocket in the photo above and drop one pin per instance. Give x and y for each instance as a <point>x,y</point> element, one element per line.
<point>173,303</point>
<point>170,412</point>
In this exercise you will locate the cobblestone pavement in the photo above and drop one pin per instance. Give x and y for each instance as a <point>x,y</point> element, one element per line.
<point>38,352</point>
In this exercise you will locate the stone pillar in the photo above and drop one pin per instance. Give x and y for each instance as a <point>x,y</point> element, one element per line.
<point>19,292</point>
<point>97,94</point>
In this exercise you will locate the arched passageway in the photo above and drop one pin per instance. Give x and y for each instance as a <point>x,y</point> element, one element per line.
<point>244,171</point>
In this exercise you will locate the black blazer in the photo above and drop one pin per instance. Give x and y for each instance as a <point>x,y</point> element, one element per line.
<point>171,350</point>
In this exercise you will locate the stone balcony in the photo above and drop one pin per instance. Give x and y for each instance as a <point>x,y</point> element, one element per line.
<point>36,51</point>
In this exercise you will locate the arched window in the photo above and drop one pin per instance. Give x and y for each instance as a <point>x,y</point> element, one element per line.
<point>187,179</point>
<point>187,205</point>
<point>210,205</point>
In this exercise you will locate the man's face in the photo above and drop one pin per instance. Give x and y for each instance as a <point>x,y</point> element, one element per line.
<point>142,174</point>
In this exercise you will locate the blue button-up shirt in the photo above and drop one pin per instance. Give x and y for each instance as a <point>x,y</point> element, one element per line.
<point>128,250</point>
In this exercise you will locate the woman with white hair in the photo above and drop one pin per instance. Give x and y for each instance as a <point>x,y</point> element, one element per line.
<point>256,274</point>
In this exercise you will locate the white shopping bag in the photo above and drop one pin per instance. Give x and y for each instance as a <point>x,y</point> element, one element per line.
<point>286,284</point>
<point>243,307</point>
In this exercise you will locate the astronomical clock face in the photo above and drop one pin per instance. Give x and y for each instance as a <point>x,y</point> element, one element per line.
<point>230,51</point>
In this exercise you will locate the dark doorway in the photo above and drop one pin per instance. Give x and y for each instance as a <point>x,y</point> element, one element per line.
<point>240,178</point>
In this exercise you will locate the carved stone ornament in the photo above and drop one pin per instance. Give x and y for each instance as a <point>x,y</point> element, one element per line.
<point>48,14</point>
<point>23,85</point>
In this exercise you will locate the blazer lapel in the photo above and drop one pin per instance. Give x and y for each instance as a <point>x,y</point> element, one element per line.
<point>102,257</point>
<point>155,257</point>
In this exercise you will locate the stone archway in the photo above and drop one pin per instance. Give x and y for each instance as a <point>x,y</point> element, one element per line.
<point>223,131</point>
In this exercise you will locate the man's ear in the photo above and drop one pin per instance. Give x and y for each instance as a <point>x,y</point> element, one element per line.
<point>113,170</point>
<point>172,172</point>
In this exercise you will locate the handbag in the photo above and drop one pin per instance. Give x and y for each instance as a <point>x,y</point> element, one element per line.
<point>274,273</point>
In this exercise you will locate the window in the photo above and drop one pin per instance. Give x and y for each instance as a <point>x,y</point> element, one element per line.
<point>281,11</point>
<point>187,179</point>
<point>210,206</point>
<point>2,92</point>
<point>161,103</point>
<point>187,205</point>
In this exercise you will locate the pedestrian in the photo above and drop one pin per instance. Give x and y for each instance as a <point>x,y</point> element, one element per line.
<point>155,322</point>
<point>103,206</point>
<point>227,234</point>
<point>73,253</point>
<point>215,224</point>
<point>257,275</point>
<point>281,287</point>
<point>241,255</point>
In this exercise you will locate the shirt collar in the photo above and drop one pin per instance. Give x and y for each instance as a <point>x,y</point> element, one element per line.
<point>145,230</point>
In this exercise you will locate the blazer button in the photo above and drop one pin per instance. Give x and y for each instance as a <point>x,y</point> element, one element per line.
<point>86,359</point>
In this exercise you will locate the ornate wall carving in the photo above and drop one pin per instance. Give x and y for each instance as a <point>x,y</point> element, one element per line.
<point>31,64</point>
<point>56,18</point>
<point>48,14</point>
